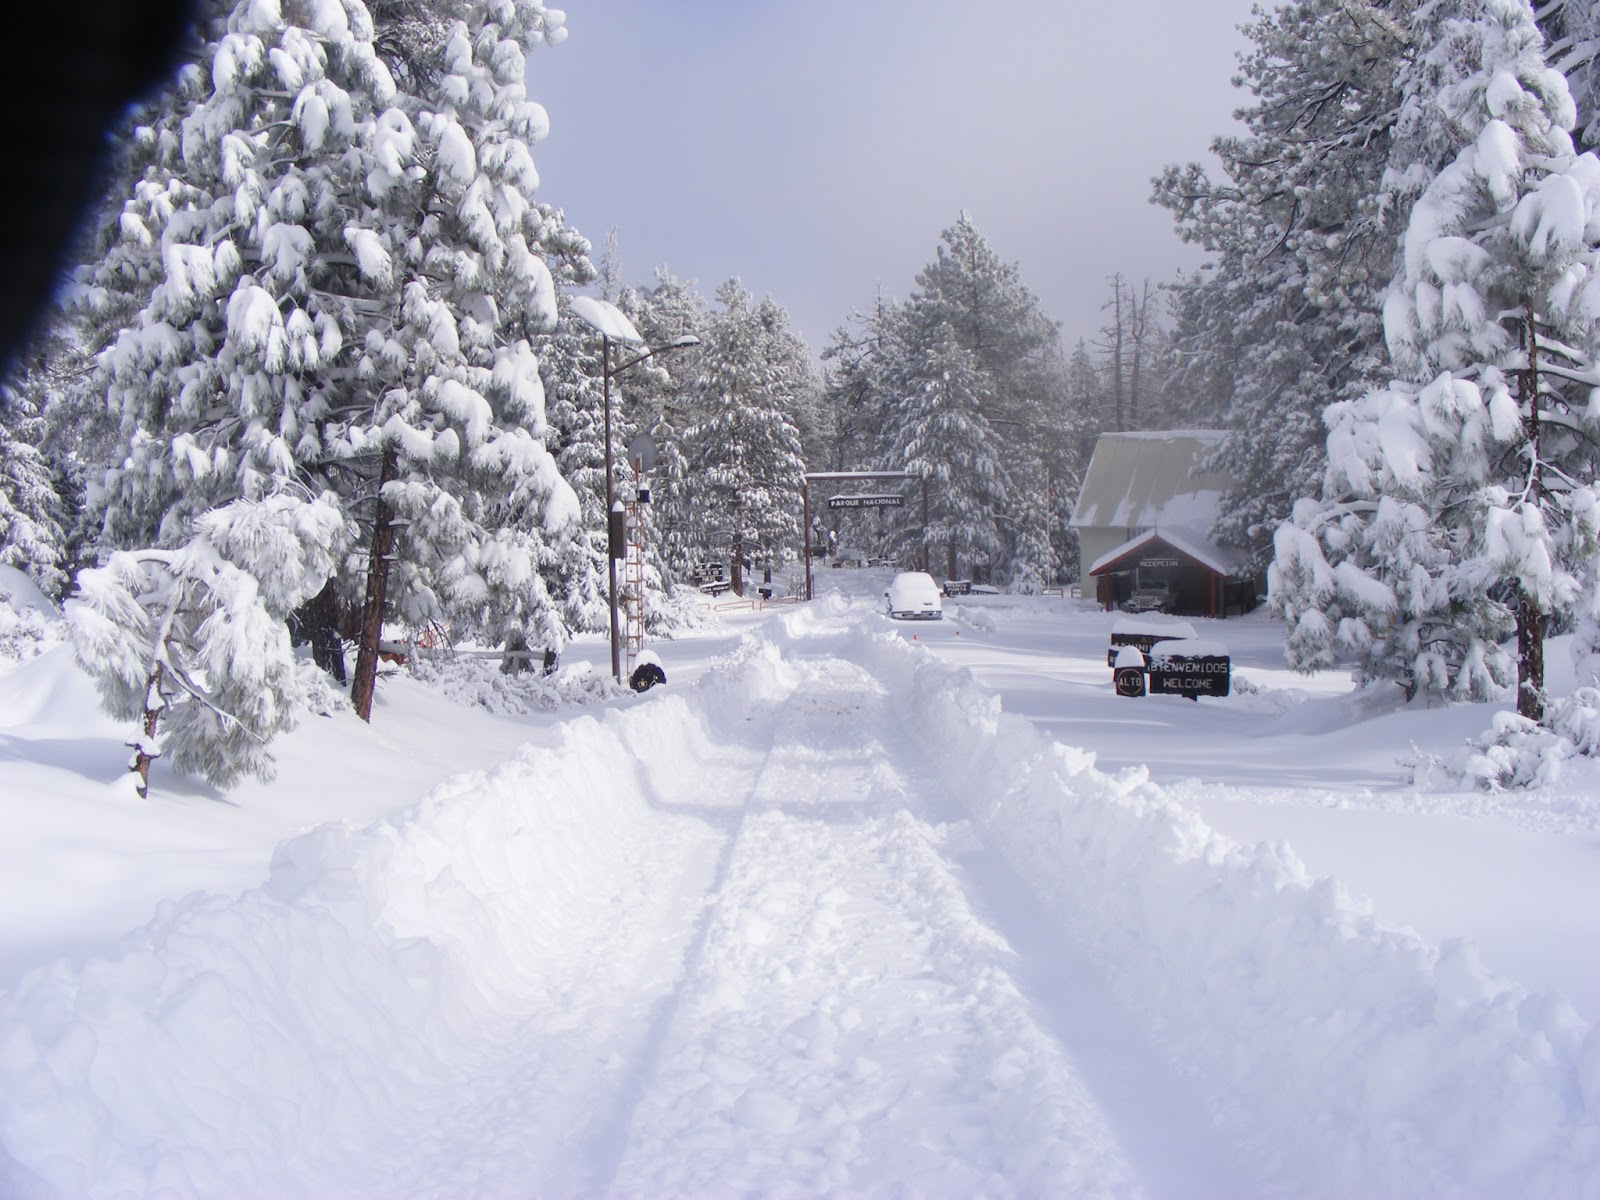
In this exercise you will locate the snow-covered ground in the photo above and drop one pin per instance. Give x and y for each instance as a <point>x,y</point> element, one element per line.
<point>849,907</point>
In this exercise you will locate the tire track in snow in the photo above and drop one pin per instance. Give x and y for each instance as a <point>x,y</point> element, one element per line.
<point>847,1024</point>
<point>606,1139</point>
<point>542,1076</point>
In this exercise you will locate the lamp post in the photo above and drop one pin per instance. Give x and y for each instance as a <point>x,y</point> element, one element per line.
<point>612,324</point>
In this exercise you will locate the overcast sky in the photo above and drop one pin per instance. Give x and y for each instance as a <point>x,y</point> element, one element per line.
<point>816,148</point>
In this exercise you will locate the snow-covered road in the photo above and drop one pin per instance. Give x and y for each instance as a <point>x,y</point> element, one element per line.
<point>827,922</point>
<point>847,1022</point>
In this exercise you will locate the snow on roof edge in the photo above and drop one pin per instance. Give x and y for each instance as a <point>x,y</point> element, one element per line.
<point>1207,555</point>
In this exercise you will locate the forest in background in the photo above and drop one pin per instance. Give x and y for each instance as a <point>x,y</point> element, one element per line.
<point>318,330</point>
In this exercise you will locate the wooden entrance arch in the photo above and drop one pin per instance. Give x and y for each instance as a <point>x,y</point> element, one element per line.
<point>838,476</point>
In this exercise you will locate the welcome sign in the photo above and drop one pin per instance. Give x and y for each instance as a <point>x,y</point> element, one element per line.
<point>1177,669</point>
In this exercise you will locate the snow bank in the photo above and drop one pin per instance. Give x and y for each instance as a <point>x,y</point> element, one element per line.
<point>1189,648</point>
<point>1165,626</point>
<point>451,1001</point>
<point>355,1009</point>
<point>1349,1058</point>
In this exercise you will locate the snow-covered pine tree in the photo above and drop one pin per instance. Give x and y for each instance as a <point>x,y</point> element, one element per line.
<point>1081,406</point>
<point>943,439</point>
<point>1203,350</point>
<point>744,456</point>
<point>347,276</point>
<point>857,390</point>
<point>33,518</point>
<point>1296,225</point>
<point>993,316</point>
<point>1572,34</point>
<point>1035,563</point>
<point>660,400</point>
<point>1459,503</point>
<point>970,294</point>
<point>789,360</point>
<point>569,362</point>
<point>192,641</point>
<point>462,245</point>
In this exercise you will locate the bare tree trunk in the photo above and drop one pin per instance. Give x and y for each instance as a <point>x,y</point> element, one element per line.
<point>319,620</point>
<point>736,568</point>
<point>516,660</point>
<point>1116,349</point>
<point>1531,622</point>
<point>1531,619</point>
<point>925,557</point>
<point>382,546</point>
<point>1138,329</point>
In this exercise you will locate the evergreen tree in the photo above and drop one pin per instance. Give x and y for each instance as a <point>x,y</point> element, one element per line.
<point>344,277</point>
<point>1299,227</point>
<point>1459,503</point>
<point>569,361</point>
<point>192,641</point>
<point>992,316</point>
<point>968,298</point>
<point>745,463</point>
<point>33,520</point>
<point>662,401</point>
<point>944,439</point>
<point>1081,427</point>
<point>1204,351</point>
<point>858,391</point>
<point>861,397</point>
<point>1572,33</point>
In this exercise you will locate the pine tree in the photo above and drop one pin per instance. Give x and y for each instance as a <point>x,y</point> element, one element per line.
<point>192,641</point>
<point>944,440</point>
<point>745,463</point>
<point>1081,426</point>
<point>33,519</point>
<point>1460,501</point>
<point>661,401</point>
<point>858,390</point>
<point>569,361</point>
<point>345,274</point>
<point>1300,227</point>
<point>1572,31</point>
<point>968,298</point>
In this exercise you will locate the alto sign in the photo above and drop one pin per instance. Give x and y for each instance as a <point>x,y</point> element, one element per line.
<point>1148,660</point>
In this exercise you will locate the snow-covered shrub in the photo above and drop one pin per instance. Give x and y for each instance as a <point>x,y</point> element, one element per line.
<point>481,683</point>
<point>684,608</point>
<point>1518,753</point>
<point>975,618</point>
<point>193,641</point>
<point>29,623</point>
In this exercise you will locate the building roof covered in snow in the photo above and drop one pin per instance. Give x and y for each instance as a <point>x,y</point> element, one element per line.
<point>1152,480</point>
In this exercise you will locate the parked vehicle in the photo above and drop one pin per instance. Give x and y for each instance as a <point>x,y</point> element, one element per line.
<point>1149,599</point>
<point>913,595</point>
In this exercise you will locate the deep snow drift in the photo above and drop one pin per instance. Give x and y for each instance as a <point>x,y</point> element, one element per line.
<point>827,920</point>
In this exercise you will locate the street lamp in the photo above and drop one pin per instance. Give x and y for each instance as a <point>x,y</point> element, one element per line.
<point>612,324</point>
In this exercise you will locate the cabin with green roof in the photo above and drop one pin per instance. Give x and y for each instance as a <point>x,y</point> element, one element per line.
<point>1144,518</point>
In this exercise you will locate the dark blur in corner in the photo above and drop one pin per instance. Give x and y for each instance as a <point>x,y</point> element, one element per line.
<point>74,68</point>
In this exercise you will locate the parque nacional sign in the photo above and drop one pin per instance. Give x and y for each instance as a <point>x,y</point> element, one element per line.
<point>866,501</point>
